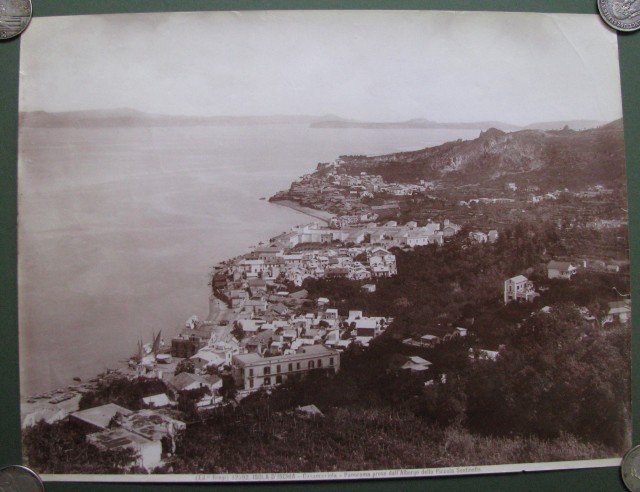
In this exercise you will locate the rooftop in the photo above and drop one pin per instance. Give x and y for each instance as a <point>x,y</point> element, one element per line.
<point>159,400</point>
<point>116,438</point>
<point>151,424</point>
<point>559,265</point>
<point>519,278</point>
<point>100,416</point>
<point>302,353</point>
<point>243,359</point>
<point>418,360</point>
<point>184,379</point>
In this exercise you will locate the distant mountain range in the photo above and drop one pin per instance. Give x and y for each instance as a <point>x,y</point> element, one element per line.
<point>478,125</point>
<point>133,118</point>
<point>560,158</point>
<point>414,123</point>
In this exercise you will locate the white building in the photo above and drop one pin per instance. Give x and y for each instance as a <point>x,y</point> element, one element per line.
<point>251,371</point>
<point>519,288</point>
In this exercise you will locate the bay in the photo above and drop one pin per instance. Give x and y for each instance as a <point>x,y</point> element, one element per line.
<point>119,227</point>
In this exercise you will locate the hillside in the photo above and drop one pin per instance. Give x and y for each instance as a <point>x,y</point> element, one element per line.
<point>564,158</point>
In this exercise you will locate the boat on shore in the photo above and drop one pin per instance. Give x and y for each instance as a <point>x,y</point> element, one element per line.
<point>61,398</point>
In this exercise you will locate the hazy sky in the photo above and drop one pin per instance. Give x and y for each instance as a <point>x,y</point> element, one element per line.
<point>368,65</point>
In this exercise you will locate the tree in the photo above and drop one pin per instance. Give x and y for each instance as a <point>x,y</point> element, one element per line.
<point>188,402</point>
<point>228,389</point>
<point>185,365</point>
<point>237,332</point>
<point>557,375</point>
<point>124,392</point>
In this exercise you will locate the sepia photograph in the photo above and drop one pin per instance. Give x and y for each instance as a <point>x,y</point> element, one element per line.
<point>320,245</point>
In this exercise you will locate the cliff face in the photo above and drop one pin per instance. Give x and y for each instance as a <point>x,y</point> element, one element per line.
<point>565,157</point>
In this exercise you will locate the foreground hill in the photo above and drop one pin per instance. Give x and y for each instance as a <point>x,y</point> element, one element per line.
<point>561,157</point>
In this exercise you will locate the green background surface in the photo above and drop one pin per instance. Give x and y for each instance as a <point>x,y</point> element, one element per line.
<point>583,480</point>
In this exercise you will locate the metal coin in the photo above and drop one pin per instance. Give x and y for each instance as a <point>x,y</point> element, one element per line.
<point>15,16</point>
<point>17,478</point>
<point>631,469</point>
<point>622,15</point>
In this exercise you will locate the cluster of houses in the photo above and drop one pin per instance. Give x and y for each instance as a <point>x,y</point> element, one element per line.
<point>436,336</point>
<point>567,269</point>
<point>152,432</point>
<point>387,235</point>
<point>340,221</point>
<point>343,194</point>
<point>532,195</point>
<point>364,184</point>
<point>520,288</point>
<point>484,201</point>
<point>276,337</point>
<point>276,264</point>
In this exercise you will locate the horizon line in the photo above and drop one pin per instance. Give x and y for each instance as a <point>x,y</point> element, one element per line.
<point>323,115</point>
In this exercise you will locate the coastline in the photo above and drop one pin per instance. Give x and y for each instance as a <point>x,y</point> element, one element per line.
<point>43,405</point>
<point>321,215</point>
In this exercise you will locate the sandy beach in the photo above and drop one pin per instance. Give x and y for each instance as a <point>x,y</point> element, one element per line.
<point>321,215</point>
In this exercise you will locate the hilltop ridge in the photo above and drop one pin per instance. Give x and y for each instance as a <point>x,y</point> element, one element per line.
<point>593,155</point>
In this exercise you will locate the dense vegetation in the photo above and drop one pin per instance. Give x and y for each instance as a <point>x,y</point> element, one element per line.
<point>62,448</point>
<point>439,287</point>
<point>350,438</point>
<point>124,392</point>
<point>558,394</point>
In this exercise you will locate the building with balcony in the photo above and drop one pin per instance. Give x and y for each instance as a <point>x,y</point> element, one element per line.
<point>252,371</point>
<point>519,288</point>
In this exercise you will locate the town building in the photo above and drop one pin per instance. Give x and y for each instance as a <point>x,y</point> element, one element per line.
<point>97,418</point>
<point>560,269</point>
<point>519,288</point>
<point>155,425</point>
<point>157,401</point>
<point>478,237</point>
<point>429,340</point>
<point>619,312</point>
<point>143,431</point>
<point>252,371</point>
<point>149,453</point>
<point>483,354</point>
<point>186,382</point>
<point>416,364</point>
